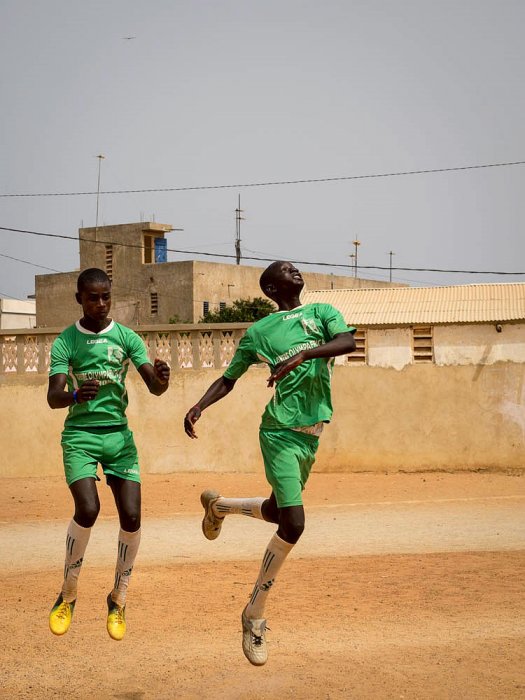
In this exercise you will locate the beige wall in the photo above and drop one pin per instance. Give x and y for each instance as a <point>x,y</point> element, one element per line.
<point>17,313</point>
<point>482,344</point>
<point>216,282</point>
<point>389,347</point>
<point>455,344</point>
<point>56,305</point>
<point>422,417</point>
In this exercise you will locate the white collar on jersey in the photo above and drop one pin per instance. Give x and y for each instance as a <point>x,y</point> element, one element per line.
<point>288,311</point>
<point>85,330</point>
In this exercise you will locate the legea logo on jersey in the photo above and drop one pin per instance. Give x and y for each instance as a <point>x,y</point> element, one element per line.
<point>309,325</point>
<point>115,354</point>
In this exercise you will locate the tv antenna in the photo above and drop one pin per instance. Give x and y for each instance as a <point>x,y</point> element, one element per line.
<point>238,219</point>
<point>356,245</point>
<point>100,159</point>
<point>391,253</point>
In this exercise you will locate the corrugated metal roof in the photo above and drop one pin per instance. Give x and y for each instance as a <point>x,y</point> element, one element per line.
<point>398,306</point>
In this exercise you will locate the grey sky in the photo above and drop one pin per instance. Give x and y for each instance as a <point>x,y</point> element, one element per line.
<point>212,93</point>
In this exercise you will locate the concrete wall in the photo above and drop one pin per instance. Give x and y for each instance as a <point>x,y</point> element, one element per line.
<point>458,344</point>
<point>56,306</point>
<point>482,344</point>
<point>216,282</point>
<point>181,287</point>
<point>132,279</point>
<point>17,313</point>
<point>420,418</point>
<point>175,286</point>
<point>389,347</point>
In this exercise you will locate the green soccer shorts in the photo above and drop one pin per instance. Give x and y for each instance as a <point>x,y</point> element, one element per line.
<point>288,459</point>
<point>112,446</point>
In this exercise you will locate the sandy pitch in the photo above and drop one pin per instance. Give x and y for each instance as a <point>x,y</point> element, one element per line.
<point>425,624</point>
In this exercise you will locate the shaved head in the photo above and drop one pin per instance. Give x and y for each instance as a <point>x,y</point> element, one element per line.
<point>93,275</point>
<point>269,275</point>
<point>282,282</point>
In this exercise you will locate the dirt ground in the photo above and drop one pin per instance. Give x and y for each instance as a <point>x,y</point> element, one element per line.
<point>443,624</point>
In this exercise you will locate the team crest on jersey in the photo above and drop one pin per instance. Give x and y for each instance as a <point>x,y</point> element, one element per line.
<point>115,354</point>
<point>309,325</point>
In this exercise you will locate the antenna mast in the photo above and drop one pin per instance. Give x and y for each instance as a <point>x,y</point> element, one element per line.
<point>238,219</point>
<point>391,253</point>
<point>100,159</point>
<point>356,244</point>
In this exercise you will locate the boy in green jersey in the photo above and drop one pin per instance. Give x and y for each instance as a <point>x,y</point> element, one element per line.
<point>298,343</point>
<point>89,363</point>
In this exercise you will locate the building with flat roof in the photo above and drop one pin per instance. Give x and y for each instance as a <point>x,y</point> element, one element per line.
<point>17,313</point>
<point>147,289</point>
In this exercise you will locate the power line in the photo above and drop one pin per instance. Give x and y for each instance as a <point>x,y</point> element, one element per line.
<point>27,262</point>
<point>4,295</point>
<point>271,183</point>
<point>375,277</point>
<point>127,289</point>
<point>265,259</point>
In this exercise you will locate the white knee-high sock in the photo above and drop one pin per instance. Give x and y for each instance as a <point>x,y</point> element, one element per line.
<point>276,552</point>
<point>128,546</point>
<point>239,506</point>
<point>77,539</point>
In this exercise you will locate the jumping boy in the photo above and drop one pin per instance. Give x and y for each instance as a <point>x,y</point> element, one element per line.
<point>89,363</point>
<point>298,343</point>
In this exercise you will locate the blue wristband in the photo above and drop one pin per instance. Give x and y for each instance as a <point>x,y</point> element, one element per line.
<point>75,395</point>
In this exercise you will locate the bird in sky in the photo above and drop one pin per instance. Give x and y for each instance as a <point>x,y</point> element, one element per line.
<point>128,38</point>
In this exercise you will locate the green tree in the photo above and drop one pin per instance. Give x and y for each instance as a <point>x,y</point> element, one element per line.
<point>242,310</point>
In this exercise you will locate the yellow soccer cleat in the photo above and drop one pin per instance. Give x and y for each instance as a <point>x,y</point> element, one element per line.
<point>116,623</point>
<point>60,616</point>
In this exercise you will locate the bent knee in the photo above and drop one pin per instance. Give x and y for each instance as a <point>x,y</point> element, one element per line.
<point>87,513</point>
<point>269,511</point>
<point>130,522</point>
<point>291,528</point>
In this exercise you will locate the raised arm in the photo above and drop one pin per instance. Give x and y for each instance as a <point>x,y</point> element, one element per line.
<point>341,344</point>
<point>215,392</point>
<point>156,376</point>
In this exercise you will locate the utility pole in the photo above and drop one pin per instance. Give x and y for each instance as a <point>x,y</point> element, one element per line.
<point>100,159</point>
<point>391,254</point>
<point>356,244</point>
<point>238,219</point>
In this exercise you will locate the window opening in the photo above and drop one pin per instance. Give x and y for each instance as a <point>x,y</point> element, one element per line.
<point>423,344</point>
<point>359,356</point>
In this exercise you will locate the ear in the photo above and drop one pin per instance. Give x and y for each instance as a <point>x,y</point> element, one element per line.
<point>77,297</point>
<point>270,290</point>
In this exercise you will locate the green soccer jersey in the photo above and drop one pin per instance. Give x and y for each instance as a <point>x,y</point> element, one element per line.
<point>302,397</point>
<point>104,356</point>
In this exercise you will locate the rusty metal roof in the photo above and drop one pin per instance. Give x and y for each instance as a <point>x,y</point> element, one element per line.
<point>398,306</point>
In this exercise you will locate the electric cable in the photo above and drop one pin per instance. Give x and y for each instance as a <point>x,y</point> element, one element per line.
<point>271,183</point>
<point>264,259</point>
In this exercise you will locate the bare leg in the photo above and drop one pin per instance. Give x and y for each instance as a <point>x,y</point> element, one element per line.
<point>127,496</point>
<point>87,504</point>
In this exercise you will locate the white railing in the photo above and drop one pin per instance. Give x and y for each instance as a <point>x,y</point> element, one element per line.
<point>182,346</point>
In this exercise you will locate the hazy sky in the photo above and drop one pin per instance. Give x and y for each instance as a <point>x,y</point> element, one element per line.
<point>231,92</point>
